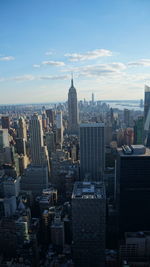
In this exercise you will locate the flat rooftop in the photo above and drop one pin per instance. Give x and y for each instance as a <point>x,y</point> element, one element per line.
<point>88,190</point>
<point>133,151</point>
<point>92,124</point>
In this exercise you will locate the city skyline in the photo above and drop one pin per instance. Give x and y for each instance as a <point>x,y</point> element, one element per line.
<point>105,45</point>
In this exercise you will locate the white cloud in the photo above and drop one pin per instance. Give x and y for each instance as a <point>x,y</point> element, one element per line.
<point>23,78</point>
<point>141,62</point>
<point>99,70</point>
<point>7,58</point>
<point>29,77</point>
<point>48,53</point>
<point>54,63</point>
<point>36,66</point>
<point>89,55</point>
<point>57,77</point>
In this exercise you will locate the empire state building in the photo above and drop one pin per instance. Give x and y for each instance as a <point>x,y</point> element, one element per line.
<point>72,110</point>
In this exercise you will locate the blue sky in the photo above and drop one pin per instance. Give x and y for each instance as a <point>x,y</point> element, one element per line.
<point>104,43</point>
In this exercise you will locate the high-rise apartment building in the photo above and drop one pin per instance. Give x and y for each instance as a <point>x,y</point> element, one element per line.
<point>92,151</point>
<point>72,110</point>
<point>133,188</point>
<point>88,224</point>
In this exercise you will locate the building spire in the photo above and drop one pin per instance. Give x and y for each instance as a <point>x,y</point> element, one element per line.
<point>72,79</point>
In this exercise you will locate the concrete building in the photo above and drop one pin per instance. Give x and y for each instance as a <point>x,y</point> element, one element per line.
<point>50,142</point>
<point>57,232</point>
<point>127,117</point>
<point>22,230</point>
<point>8,239</point>
<point>59,129</point>
<point>136,249</point>
<point>133,188</point>
<point>22,129</point>
<point>73,119</point>
<point>35,178</point>
<point>88,224</point>
<point>5,150</point>
<point>51,116</point>
<point>92,151</point>
<point>21,146</point>
<point>11,186</point>
<point>8,206</point>
<point>5,121</point>
<point>38,151</point>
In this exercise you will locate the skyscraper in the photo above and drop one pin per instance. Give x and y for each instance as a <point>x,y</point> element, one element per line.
<point>88,224</point>
<point>22,130</point>
<point>5,122</point>
<point>92,151</point>
<point>35,177</point>
<point>72,110</point>
<point>127,117</point>
<point>147,116</point>
<point>36,141</point>
<point>133,188</point>
<point>5,149</point>
<point>59,129</point>
<point>51,115</point>
<point>138,130</point>
<point>93,98</point>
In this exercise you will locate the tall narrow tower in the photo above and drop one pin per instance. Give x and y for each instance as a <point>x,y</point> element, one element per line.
<point>37,145</point>
<point>73,109</point>
<point>147,116</point>
<point>22,129</point>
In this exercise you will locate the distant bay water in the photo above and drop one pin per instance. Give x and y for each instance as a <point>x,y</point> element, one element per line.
<point>124,104</point>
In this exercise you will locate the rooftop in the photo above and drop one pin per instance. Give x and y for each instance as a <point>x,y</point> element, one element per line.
<point>92,124</point>
<point>88,190</point>
<point>134,151</point>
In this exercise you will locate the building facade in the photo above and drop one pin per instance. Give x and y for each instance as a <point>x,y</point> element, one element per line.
<point>92,151</point>
<point>133,188</point>
<point>72,110</point>
<point>88,224</point>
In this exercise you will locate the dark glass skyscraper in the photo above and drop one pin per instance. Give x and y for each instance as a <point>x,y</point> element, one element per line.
<point>133,188</point>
